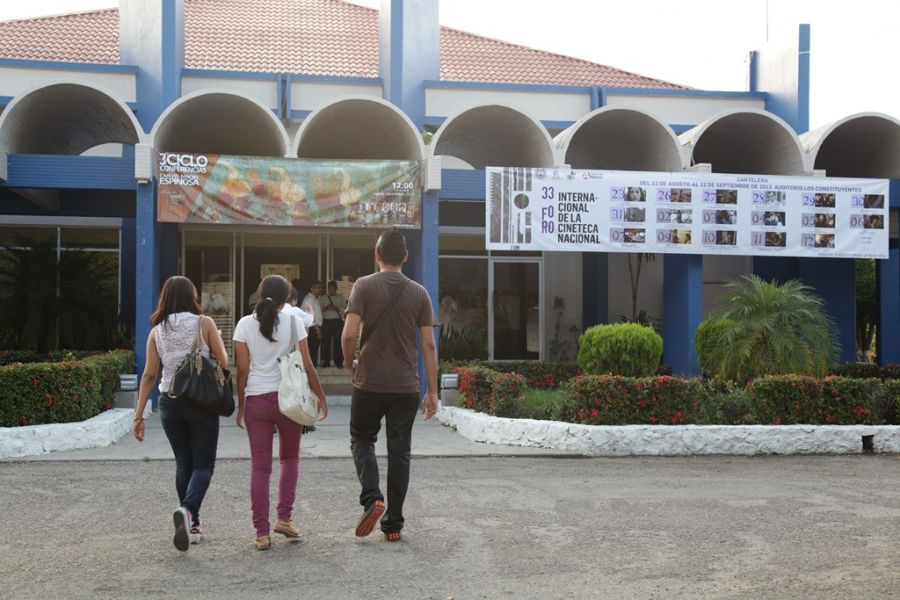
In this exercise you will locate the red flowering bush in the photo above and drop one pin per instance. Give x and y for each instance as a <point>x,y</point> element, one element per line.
<point>507,393</point>
<point>60,392</point>
<point>793,399</point>
<point>475,385</point>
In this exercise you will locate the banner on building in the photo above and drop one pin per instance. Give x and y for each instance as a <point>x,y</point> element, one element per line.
<point>685,213</point>
<point>208,188</point>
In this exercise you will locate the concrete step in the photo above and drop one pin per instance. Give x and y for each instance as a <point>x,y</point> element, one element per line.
<point>335,382</point>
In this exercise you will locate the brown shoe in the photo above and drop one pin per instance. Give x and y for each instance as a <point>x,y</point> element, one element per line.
<point>369,518</point>
<point>263,542</point>
<point>287,529</point>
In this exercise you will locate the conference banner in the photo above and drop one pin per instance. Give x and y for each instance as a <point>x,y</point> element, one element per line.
<point>685,213</point>
<point>208,188</point>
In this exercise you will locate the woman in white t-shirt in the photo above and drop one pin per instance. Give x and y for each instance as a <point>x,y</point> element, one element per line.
<point>260,340</point>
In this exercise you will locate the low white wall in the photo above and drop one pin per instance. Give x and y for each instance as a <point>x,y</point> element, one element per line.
<point>663,440</point>
<point>97,432</point>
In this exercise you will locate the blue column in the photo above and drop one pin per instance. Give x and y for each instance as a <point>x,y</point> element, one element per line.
<point>887,340</point>
<point>594,288</point>
<point>127,261</point>
<point>422,265</point>
<point>683,311</point>
<point>777,269</point>
<point>146,269</point>
<point>409,53</point>
<point>834,280</point>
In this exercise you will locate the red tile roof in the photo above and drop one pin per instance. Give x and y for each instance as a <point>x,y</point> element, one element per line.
<point>314,37</point>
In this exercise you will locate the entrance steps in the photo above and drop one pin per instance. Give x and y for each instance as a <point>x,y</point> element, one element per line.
<point>335,382</point>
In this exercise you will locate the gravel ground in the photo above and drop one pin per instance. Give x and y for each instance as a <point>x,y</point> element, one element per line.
<point>501,527</point>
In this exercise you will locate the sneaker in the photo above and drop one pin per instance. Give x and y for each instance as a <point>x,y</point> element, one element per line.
<point>196,533</point>
<point>369,518</point>
<point>182,519</point>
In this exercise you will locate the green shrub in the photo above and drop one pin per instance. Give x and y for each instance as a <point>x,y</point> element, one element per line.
<point>507,396</point>
<point>538,375</point>
<point>61,392</point>
<point>797,399</point>
<point>857,370</point>
<point>767,328</point>
<point>626,349</point>
<point>707,341</point>
<point>474,385</point>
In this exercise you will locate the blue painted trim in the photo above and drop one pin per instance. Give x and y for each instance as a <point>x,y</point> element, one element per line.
<point>604,96</point>
<point>212,73</point>
<point>596,101</point>
<point>754,71</point>
<point>557,124</point>
<point>681,128</point>
<point>462,184</point>
<point>300,114</point>
<point>67,66</point>
<point>803,69</point>
<point>302,78</point>
<point>894,193</point>
<point>280,96</point>
<point>684,93</point>
<point>6,100</point>
<point>524,87</point>
<point>50,171</point>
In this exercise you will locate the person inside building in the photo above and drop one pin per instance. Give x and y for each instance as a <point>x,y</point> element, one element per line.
<point>311,305</point>
<point>333,307</point>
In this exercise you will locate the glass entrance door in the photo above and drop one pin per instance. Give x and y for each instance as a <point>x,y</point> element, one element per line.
<point>515,313</point>
<point>209,263</point>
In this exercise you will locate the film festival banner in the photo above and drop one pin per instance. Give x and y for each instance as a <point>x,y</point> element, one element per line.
<point>207,188</point>
<point>685,213</point>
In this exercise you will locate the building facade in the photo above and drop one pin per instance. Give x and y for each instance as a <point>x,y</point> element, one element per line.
<point>80,137</point>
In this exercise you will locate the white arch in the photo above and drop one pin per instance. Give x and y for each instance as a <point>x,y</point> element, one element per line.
<point>787,148</point>
<point>11,121</point>
<point>211,94</point>
<point>354,113</point>
<point>492,126</point>
<point>666,152</point>
<point>875,149</point>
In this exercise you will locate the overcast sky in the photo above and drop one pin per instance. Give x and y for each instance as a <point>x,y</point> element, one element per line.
<point>700,43</point>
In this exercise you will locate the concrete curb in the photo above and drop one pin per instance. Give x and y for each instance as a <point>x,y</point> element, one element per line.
<point>674,440</point>
<point>97,432</point>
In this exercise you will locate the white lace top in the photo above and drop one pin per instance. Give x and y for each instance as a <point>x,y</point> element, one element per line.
<point>174,339</point>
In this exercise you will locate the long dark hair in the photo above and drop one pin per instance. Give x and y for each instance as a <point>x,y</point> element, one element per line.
<point>178,295</point>
<point>273,291</point>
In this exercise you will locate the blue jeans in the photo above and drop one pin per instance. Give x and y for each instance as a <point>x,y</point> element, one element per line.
<point>399,413</point>
<point>194,437</point>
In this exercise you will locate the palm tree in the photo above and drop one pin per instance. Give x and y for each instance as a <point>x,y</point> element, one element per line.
<point>764,328</point>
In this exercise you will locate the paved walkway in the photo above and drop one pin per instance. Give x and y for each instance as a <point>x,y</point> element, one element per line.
<point>330,440</point>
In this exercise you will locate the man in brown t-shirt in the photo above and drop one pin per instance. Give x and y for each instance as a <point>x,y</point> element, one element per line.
<point>386,378</point>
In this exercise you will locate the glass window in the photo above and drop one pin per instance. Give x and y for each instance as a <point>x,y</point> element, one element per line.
<point>462,308</point>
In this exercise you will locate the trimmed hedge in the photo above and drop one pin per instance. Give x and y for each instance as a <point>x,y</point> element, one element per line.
<point>61,392</point>
<point>666,400</point>
<point>626,349</point>
<point>794,399</point>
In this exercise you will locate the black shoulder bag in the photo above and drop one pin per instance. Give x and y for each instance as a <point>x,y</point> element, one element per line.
<point>202,381</point>
<point>369,326</point>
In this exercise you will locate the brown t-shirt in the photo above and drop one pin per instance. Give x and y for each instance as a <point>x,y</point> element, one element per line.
<point>387,362</point>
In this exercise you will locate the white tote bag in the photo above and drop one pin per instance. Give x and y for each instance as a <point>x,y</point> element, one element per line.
<point>296,399</point>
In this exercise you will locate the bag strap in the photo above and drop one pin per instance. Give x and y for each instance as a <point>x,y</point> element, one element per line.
<point>295,337</point>
<point>196,344</point>
<point>369,326</point>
